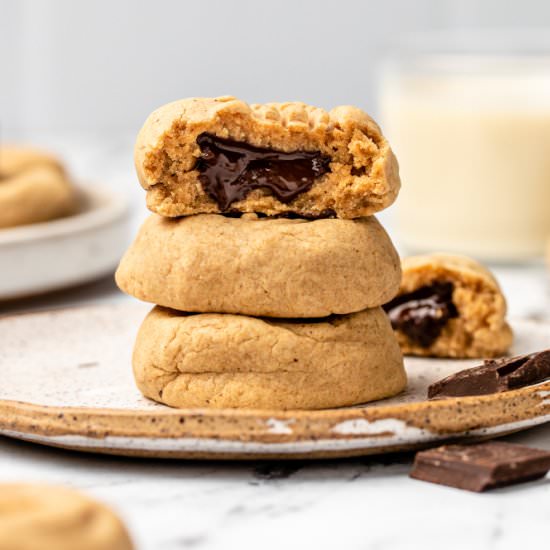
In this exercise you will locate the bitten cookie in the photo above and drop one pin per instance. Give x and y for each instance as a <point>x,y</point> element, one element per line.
<point>261,266</point>
<point>449,306</point>
<point>54,518</point>
<point>216,360</point>
<point>33,188</point>
<point>211,155</point>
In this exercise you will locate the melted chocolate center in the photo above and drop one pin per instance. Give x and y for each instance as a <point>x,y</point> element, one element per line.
<point>229,170</point>
<point>422,314</point>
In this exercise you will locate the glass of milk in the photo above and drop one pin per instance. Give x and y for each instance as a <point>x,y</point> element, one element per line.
<point>469,121</point>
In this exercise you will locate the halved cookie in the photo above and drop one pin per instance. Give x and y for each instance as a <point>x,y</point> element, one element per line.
<point>211,155</point>
<point>261,266</point>
<point>216,360</point>
<point>449,306</point>
<point>46,517</point>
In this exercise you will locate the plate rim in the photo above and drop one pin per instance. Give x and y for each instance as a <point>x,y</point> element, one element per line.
<point>212,448</point>
<point>72,420</point>
<point>111,206</point>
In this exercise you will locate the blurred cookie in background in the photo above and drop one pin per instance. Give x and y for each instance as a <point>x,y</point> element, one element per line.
<point>34,187</point>
<point>449,306</point>
<point>36,516</point>
<point>75,231</point>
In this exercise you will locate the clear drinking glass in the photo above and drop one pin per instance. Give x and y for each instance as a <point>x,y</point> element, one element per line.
<point>468,116</point>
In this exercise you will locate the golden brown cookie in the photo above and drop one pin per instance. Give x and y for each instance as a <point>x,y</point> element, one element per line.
<point>261,266</point>
<point>211,155</point>
<point>33,188</point>
<point>449,306</point>
<point>221,360</point>
<point>16,159</point>
<point>44,517</point>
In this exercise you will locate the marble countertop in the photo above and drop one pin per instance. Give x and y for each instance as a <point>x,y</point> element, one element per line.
<point>353,504</point>
<point>358,504</point>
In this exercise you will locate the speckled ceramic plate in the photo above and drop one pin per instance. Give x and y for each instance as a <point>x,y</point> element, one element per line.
<point>66,381</point>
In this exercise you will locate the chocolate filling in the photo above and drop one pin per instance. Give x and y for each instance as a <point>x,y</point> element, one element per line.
<point>328,213</point>
<point>422,314</point>
<point>229,170</point>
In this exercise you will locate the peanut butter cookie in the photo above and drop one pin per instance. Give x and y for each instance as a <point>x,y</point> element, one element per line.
<point>216,360</point>
<point>261,266</point>
<point>33,188</point>
<point>211,155</point>
<point>54,518</point>
<point>449,306</point>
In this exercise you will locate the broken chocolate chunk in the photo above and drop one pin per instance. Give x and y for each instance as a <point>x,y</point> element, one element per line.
<point>495,375</point>
<point>482,466</point>
<point>422,314</point>
<point>229,170</point>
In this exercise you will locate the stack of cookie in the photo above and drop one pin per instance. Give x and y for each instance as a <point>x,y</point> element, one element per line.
<point>264,258</point>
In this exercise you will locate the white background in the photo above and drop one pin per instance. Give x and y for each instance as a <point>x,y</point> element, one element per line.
<point>99,67</point>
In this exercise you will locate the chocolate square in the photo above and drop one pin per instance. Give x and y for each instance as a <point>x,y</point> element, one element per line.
<point>495,375</point>
<point>482,466</point>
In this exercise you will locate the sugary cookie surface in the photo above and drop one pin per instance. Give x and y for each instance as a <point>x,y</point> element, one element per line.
<point>212,155</point>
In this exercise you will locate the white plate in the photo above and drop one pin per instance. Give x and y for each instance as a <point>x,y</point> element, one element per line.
<point>67,382</point>
<point>48,256</point>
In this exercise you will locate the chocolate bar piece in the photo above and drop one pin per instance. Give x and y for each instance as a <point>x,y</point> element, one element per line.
<point>482,466</point>
<point>495,375</point>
